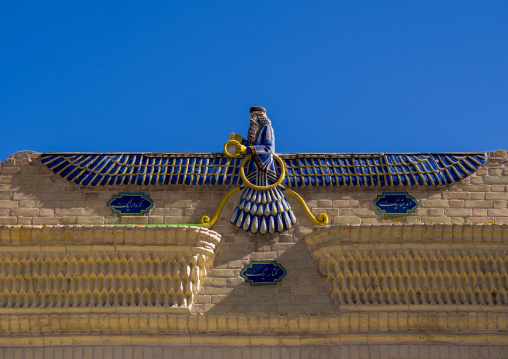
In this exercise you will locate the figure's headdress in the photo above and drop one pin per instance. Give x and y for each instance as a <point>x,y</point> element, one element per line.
<point>257,110</point>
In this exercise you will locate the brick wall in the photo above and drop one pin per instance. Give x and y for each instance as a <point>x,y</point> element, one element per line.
<point>306,315</point>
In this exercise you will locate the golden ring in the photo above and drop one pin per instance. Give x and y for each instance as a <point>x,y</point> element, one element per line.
<point>225,148</point>
<point>263,188</point>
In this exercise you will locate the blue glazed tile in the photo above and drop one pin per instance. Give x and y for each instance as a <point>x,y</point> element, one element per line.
<point>396,203</point>
<point>130,204</point>
<point>263,273</point>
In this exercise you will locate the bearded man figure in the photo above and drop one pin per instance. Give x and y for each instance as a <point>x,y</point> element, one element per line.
<point>261,211</point>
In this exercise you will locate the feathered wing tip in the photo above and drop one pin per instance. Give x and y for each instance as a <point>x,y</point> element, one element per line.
<point>263,212</point>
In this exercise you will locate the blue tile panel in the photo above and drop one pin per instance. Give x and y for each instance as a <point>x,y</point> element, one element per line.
<point>130,204</point>
<point>396,203</point>
<point>263,273</point>
<point>302,169</point>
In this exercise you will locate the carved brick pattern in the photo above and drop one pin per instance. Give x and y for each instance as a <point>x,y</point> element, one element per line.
<point>423,276</point>
<point>30,279</point>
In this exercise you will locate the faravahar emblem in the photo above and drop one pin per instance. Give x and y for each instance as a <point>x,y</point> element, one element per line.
<point>264,177</point>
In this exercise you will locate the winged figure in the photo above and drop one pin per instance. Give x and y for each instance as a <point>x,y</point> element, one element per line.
<point>263,176</point>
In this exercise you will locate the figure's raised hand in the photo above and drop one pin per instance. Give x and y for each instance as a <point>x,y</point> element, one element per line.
<point>241,149</point>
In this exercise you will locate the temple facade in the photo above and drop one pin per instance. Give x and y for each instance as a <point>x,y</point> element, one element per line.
<point>187,256</point>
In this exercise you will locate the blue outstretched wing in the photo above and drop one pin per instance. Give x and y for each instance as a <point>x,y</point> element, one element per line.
<point>379,169</point>
<point>320,169</point>
<point>144,169</point>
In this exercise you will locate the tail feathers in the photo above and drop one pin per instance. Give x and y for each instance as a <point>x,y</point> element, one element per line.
<point>263,212</point>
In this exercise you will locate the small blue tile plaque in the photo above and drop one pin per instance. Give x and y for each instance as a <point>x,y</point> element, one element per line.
<point>396,203</point>
<point>263,272</point>
<point>131,204</point>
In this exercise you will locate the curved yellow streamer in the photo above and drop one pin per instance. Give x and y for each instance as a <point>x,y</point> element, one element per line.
<point>206,220</point>
<point>322,218</point>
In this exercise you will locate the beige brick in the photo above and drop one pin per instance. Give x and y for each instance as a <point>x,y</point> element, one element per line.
<point>324,203</point>
<point>68,212</point>
<point>89,196</point>
<point>436,220</point>
<point>346,212</point>
<point>5,179</point>
<point>8,220</point>
<point>9,170</point>
<point>436,195</point>
<point>422,212</point>
<point>90,220</point>
<point>128,219</point>
<point>32,180</point>
<point>25,220</point>
<point>476,188</point>
<point>434,203</point>
<point>68,220</point>
<point>458,220</point>
<point>46,212</point>
<point>496,179</point>
<point>495,171</point>
<point>5,212</point>
<point>477,180</point>
<point>477,196</point>
<point>47,204</point>
<point>365,212</point>
<point>25,212</point>
<point>185,203</point>
<point>213,291</point>
<point>46,220</point>
<point>176,212</point>
<point>339,203</point>
<point>495,162</point>
<point>456,195</point>
<point>25,195</point>
<point>497,195</point>
<point>500,204</point>
<point>26,204</point>
<point>456,204</point>
<point>347,220</point>
<point>198,196</point>
<point>224,273</point>
<point>480,220</point>
<point>435,212</point>
<point>458,212</point>
<point>155,220</point>
<point>480,212</point>
<point>111,220</point>
<point>47,188</point>
<point>5,196</point>
<point>498,212</point>
<point>478,204</point>
<point>498,188</point>
<point>9,204</point>
<point>64,196</point>
<point>498,153</point>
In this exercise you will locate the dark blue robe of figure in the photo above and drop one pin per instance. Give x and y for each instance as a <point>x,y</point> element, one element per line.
<point>262,211</point>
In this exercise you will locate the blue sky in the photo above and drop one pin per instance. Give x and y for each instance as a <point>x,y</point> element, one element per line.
<point>179,76</point>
